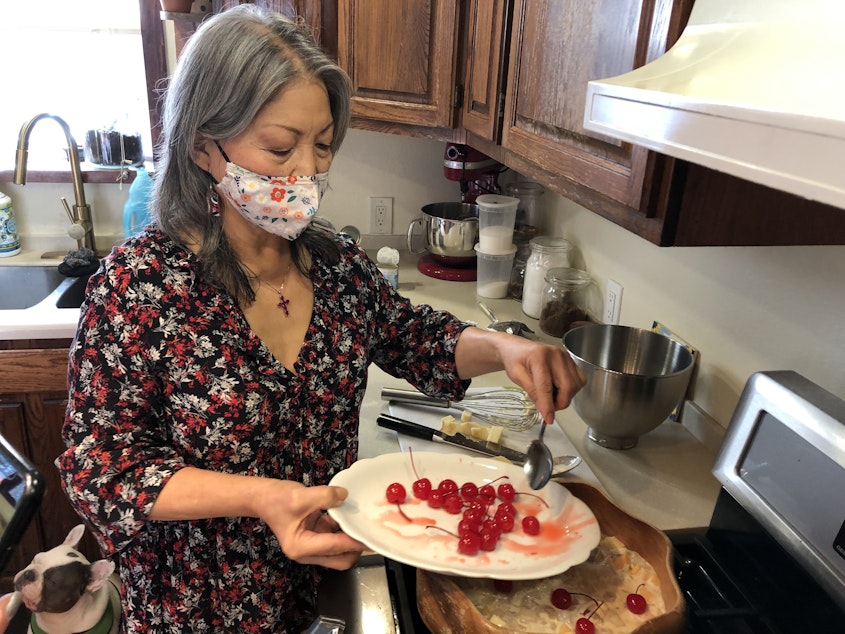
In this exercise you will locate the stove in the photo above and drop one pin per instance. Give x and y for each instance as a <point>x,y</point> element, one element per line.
<point>772,559</point>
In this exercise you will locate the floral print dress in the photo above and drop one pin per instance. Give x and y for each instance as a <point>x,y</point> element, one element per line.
<point>165,373</point>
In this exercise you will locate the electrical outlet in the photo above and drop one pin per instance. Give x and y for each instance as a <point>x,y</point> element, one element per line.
<point>381,215</point>
<point>612,302</point>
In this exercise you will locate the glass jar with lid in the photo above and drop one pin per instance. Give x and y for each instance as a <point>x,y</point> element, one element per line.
<point>546,253</point>
<point>517,281</point>
<point>565,300</point>
<point>529,194</point>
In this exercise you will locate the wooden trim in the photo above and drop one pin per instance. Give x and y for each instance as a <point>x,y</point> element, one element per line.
<point>37,370</point>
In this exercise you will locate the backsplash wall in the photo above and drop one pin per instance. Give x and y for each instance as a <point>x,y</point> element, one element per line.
<point>745,308</point>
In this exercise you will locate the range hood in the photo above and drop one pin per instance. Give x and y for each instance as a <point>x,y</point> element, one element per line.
<point>754,88</point>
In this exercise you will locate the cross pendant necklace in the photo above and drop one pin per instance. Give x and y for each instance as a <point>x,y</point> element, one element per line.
<point>283,301</point>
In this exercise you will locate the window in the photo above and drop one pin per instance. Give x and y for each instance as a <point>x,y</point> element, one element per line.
<point>82,61</point>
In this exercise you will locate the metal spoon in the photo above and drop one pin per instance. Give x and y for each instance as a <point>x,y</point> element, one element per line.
<point>563,464</point>
<point>510,327</point>
<point>538,461</point>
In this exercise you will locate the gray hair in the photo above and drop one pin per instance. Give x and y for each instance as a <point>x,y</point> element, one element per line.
<point>235,62</point>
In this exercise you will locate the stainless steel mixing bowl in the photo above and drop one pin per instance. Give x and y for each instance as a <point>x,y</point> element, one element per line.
<point>450,231</point>
<point>635,378</point>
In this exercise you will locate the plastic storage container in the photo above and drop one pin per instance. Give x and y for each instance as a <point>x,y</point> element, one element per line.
<point>546,253</point>
<point>9,242</point>
<point>493,272</point>
<point>496,216</point>
<point>565,300</point>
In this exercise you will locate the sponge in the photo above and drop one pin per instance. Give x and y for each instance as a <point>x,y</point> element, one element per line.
<point>79,263</point>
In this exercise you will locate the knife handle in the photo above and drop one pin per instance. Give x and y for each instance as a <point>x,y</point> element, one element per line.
<point>413,397</point>
<point>405,427</point>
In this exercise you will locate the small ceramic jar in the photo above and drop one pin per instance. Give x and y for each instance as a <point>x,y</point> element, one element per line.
<point>9,242</point>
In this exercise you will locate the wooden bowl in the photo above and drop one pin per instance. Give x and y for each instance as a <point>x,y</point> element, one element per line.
<point>445,609</point>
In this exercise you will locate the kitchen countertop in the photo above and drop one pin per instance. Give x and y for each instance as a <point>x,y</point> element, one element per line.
<point>665,480</point>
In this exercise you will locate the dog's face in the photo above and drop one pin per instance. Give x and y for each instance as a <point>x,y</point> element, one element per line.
<point>54,581</point>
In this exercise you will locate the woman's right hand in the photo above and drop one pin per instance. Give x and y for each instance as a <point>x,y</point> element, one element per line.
<point>296,515</point>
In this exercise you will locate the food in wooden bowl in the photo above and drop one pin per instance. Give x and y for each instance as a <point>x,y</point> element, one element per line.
<point>633,558</point>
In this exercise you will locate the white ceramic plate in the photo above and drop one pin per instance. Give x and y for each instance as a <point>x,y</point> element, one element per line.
<point>568,529</point>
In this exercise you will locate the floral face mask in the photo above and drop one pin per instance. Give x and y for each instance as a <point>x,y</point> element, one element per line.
<point>282,205</point>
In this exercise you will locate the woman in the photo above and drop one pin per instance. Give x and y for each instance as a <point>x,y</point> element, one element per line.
<point>221,358</point>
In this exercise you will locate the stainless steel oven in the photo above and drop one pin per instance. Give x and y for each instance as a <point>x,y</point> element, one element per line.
<point>772,559</point>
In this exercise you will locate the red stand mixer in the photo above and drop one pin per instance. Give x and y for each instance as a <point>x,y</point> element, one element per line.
<point>477,174</point>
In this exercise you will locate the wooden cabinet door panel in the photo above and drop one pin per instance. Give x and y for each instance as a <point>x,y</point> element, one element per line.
<point>41,415</point>
<point>556,47</point>
<point>33,401</point>
<point>485,67</point>
<point>12,427</point>
<point>402,59</point>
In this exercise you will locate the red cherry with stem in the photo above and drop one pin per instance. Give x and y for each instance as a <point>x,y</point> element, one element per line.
<point>396,493</point>
<point>487,493</point>
<point>453,504</point>
<point>506,508</point>
<point>469,544</point>
<point>491,525</point>
<point>636,602</point>
<point>585,625</point>
<point>474,515</point>
<point>447,486</point>
<point>506,492</point>
<point>561,599</point>
<point>468,526</point>
<point>531,525</point>
<point>421,488</point>
<point>435,499</point>
<point>489,539</point>
<point>504,522</point>
<point>478,505</point>
<point>469,491</point>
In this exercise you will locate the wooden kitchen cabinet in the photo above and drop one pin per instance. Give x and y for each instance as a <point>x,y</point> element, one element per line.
<point>487,46</point>
<point>509,78</point>
<point>554,48</point>
<point>526,65</point>
<point>33,398</point>
<point>402,58</point>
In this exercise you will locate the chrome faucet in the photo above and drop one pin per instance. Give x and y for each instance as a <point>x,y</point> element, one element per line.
<point>82,228</point>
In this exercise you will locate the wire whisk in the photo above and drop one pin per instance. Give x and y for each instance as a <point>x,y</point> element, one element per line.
<point>507,407</point>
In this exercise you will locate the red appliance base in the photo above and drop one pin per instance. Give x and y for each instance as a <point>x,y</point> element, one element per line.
<point>428,266</point>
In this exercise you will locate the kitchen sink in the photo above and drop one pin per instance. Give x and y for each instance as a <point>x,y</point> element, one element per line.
<point>22,287</point>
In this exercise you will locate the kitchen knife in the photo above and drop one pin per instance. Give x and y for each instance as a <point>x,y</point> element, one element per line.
<point>457,440</point>
<point>562,464</point>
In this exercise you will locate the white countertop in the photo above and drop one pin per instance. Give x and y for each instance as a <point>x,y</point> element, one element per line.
<point>665,480</point>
